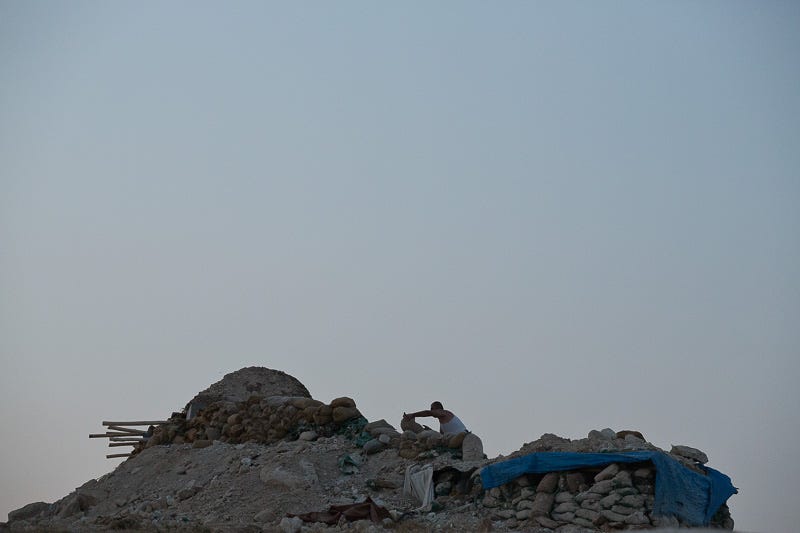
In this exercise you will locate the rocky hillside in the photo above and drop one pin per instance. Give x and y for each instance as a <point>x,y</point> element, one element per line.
<point>255,452</point>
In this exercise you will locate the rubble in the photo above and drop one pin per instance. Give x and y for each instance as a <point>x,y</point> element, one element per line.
<point>255,452</point>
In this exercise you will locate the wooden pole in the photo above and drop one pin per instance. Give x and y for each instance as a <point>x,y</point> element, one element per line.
<point>127,430</point>
<point>137,423</point>
<point>113,444</point>
<point>126,439</point>
<point>111,434</point>
<point>113,455</point>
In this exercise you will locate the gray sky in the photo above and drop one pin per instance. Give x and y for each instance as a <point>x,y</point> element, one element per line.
<point>552,217</point>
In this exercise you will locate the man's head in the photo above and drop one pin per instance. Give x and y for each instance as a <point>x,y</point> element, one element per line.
<point>436,405</point>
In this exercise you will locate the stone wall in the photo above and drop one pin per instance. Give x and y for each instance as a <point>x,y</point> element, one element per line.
<point>258,419</point>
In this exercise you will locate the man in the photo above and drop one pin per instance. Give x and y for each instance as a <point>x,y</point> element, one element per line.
<point>448,421</point>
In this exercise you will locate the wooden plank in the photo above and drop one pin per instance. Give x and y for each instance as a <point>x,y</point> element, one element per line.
<point>137,423</point>
<point>111,434</point>
<point>126,439</point>
<point>127,430</point>
<point>113,455</point>
<point>113,444</point>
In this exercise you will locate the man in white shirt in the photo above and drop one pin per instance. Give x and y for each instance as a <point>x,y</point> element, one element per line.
<point>448,421</point>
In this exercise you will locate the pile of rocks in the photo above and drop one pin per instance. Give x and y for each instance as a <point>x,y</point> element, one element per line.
<point>256,449</point>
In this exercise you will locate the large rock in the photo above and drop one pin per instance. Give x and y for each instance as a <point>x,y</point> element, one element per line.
<point>690,453</point>
<point>29,511</point>
<point>378,427</point>
<point>471,448</point>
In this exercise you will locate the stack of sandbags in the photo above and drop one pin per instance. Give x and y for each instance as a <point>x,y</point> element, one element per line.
<point>258,419</point>
<point>620,496</point>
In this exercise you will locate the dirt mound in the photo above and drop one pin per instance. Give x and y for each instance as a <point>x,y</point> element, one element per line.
<point>240,385</point>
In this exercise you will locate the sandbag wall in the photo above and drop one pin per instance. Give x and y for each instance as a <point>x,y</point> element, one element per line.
<point>259,419</point>
<point>616,497</point>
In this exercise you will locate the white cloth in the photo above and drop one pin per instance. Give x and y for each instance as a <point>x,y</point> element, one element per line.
<point>454,426</point>
<point>419,483</point>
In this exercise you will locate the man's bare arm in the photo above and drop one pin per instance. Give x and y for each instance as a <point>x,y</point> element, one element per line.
<point>435,413</point>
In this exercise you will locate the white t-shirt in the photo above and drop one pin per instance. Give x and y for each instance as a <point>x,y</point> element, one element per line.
<point>454,426</point>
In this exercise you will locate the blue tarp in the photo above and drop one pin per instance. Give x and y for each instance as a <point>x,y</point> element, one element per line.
<point>679,491</point>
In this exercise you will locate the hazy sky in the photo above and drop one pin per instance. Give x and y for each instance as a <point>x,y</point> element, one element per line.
<point>552,217</point>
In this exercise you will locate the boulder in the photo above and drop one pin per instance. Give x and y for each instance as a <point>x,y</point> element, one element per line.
<point>29,511</point>
<point>626,432</point>
<point>472,448</point>
<point>378,424</point>
<point>689,453</point>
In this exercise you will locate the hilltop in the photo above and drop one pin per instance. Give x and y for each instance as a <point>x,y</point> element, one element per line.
<point>255,452</point>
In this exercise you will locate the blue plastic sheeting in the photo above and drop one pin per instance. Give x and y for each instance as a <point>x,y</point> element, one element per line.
<point>679,491</point>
